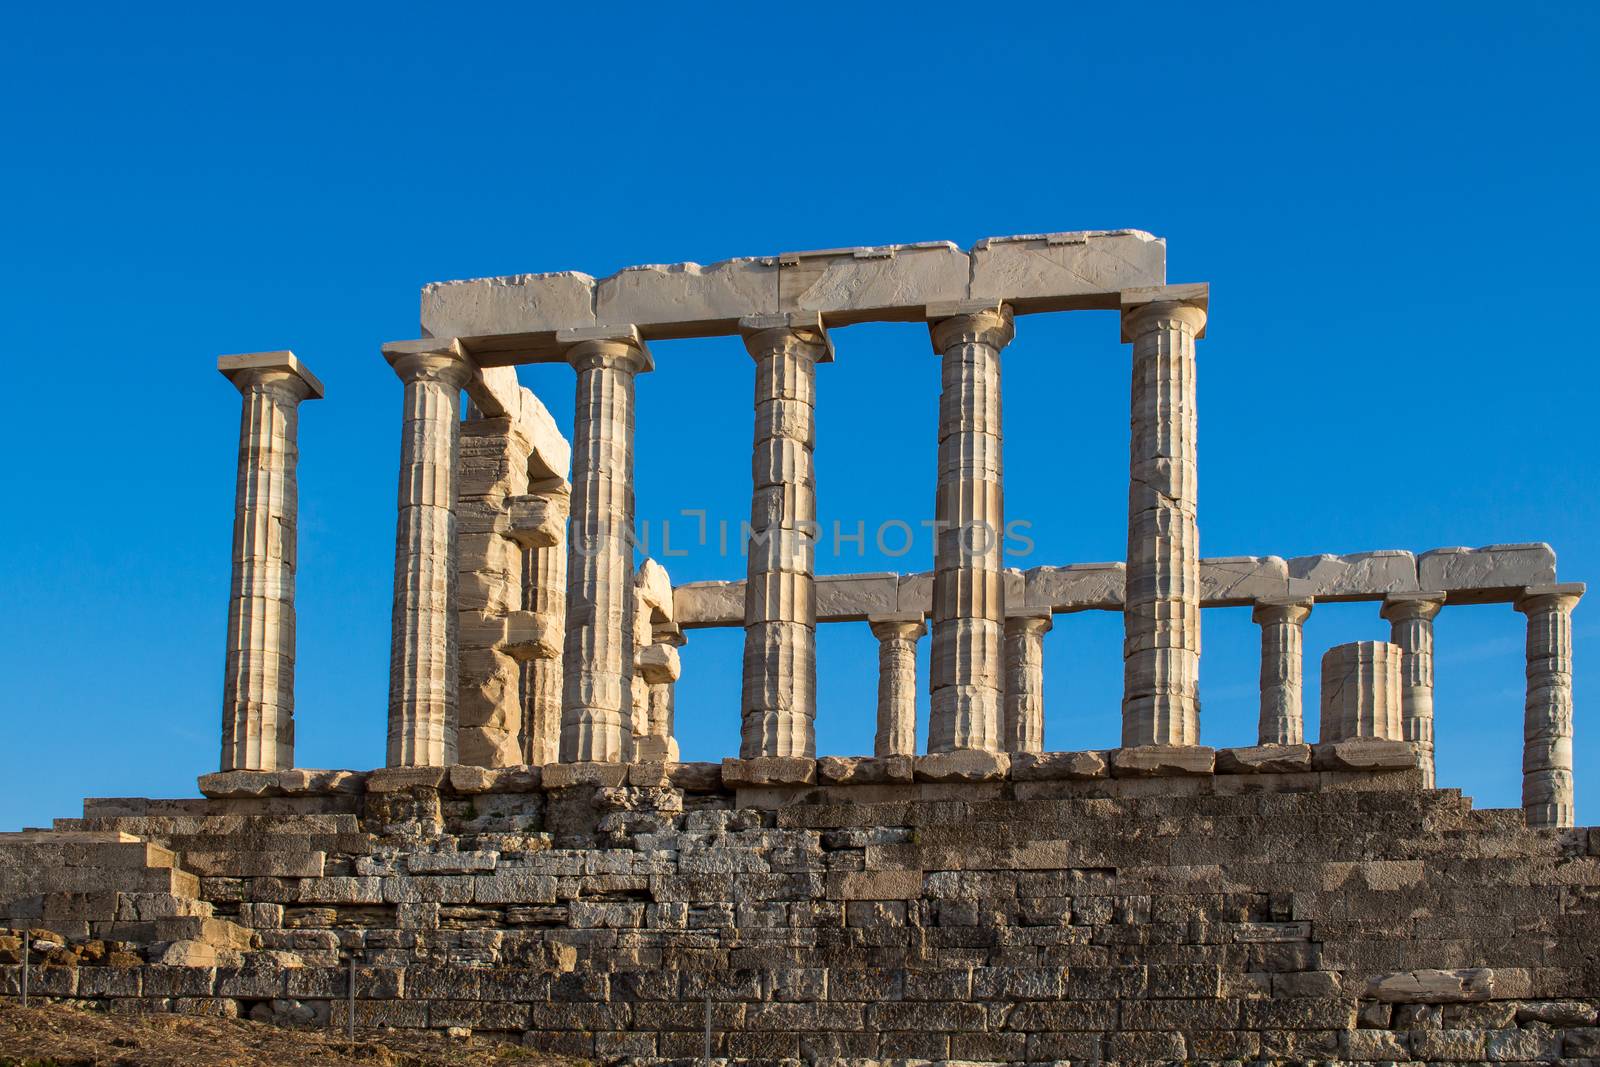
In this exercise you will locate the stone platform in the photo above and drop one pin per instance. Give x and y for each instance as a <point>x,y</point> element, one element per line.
<point>1276,904</point>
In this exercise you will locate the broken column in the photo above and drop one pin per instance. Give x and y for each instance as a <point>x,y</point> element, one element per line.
<point>422,659</point>
<point>597,661</point>
<point>655,666</point>
<point>1282,621</point>
<point>965,671</point>
<point>258,686</point>
<point>1361,691</point>
<point>658,664</point>
<point>897,682</point>
<point>1161,615</point>
<point>1547,787</point>
<point>1410,618</point>
<point>778,705</point>
<point>1024,692</point>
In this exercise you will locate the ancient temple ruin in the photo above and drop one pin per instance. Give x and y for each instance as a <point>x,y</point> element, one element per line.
<point>537,862</point>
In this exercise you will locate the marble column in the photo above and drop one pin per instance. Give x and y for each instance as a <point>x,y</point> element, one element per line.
<point>1282,621</point>
<point>597,660</point>
<point>1361,692</point>
<point>1161,616</point>
<point>658,662</point>
<point>1024,693</point>
<point>1410,618</point>
<point>1547,786</point>
<point>258,686</point>
<point>423,665</point>
<point>897,683</point>
<point>965,676</point>
<point>778,705</point>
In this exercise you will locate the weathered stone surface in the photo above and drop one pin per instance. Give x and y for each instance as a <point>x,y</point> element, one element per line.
<point>1361,691</point>
<point>1077,586</point>
<point>768,770</point>
<point>1364,754</point>
<point>897,683</point>
<point>1240,580</point>
<point>1547,786</point>
<point>515,304</point>
<point>1264,759</point>
<point>1430,986</point>
<point>687,299</point>
<point>1149,761</point>
<point>1359,576</point>
<point>1061,271</point>
<point>1493,569</point>
<point>860,770</point>
<point>970,765</point>
<point>1059,766</point>
<point>860,284</point>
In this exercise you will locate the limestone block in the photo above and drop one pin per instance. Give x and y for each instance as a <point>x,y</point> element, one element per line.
<point>1231,581</point>
<point>1361,691</point>
<point>687,299</point>
<point>853,597</point>
<point>768,770</point>
<point>864,770</point>
<point>514,304</point>
<point>1489,573</point>
<point>1059,766</point>
<point>1428,986</point>
<point>405,779</point>
<point>1074,587</point>
<point>1360,576</point>
<point>654,587</point>
<point>708,604</point>
<point>1264,759</point>
<point>567,775</point>
<point>1062,271</point>
<point>487,745</point>
<point>516,778</point>
<point>234,784</point>
<point>855,284</point>
<point>962,765</point>
<point>536,520</point>
<point>1151,761</point>
<point>1364,754</point>
<point>657,664</point>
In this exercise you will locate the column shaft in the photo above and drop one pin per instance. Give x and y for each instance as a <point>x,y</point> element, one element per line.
<point>597,662</point>
<point>778,705</point>
<point>1547,785</point>
<point>423,665</point>
<point>1410,618</point>
<point>966,670</point>
<point>1024,694</point>
<point>258,686</point>
<point>1282,625</point>
<point>1161,618</point>
<point>897,684</point>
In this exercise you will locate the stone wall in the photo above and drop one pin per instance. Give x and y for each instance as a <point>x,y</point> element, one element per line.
<point>1293,903</point>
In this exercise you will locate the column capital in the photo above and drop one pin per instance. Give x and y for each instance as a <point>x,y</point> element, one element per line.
<point>1398,607</point>
<point>1148,308</point>
<point>970,322</point>
<point>250,369</point>
<point>797,332</point>
<point>908,627</point>
<point>434,359</point>
<point>611,347</point>
<point>1559,596</point>
<point>1281,609</point>
<point>1035,622</point>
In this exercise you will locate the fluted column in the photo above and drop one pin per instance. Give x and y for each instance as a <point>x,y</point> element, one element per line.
<point>597,661</point>
<point>423,665</point>
<point>1161,617</point>
<point>1410,618</point>
<point>258,686</point>
<point>966,670</point>
<point>1547,786</point>
<point>1024,694</point>
<point>1282,622</point>
<point>1361,692</point>
<point>778,706</point>
<point>897,683</point>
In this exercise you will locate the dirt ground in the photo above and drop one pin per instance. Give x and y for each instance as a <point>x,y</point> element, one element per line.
<point>57,1035</point>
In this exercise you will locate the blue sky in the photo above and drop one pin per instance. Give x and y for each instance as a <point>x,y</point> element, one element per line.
<point>1393,205</point>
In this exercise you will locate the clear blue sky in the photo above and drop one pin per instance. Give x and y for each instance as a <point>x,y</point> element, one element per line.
<point>1393,205</point>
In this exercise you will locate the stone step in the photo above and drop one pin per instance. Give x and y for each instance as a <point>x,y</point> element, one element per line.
<point>220,933</point>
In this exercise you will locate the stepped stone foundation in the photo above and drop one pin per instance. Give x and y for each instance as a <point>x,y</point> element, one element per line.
<point>536,863</point>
